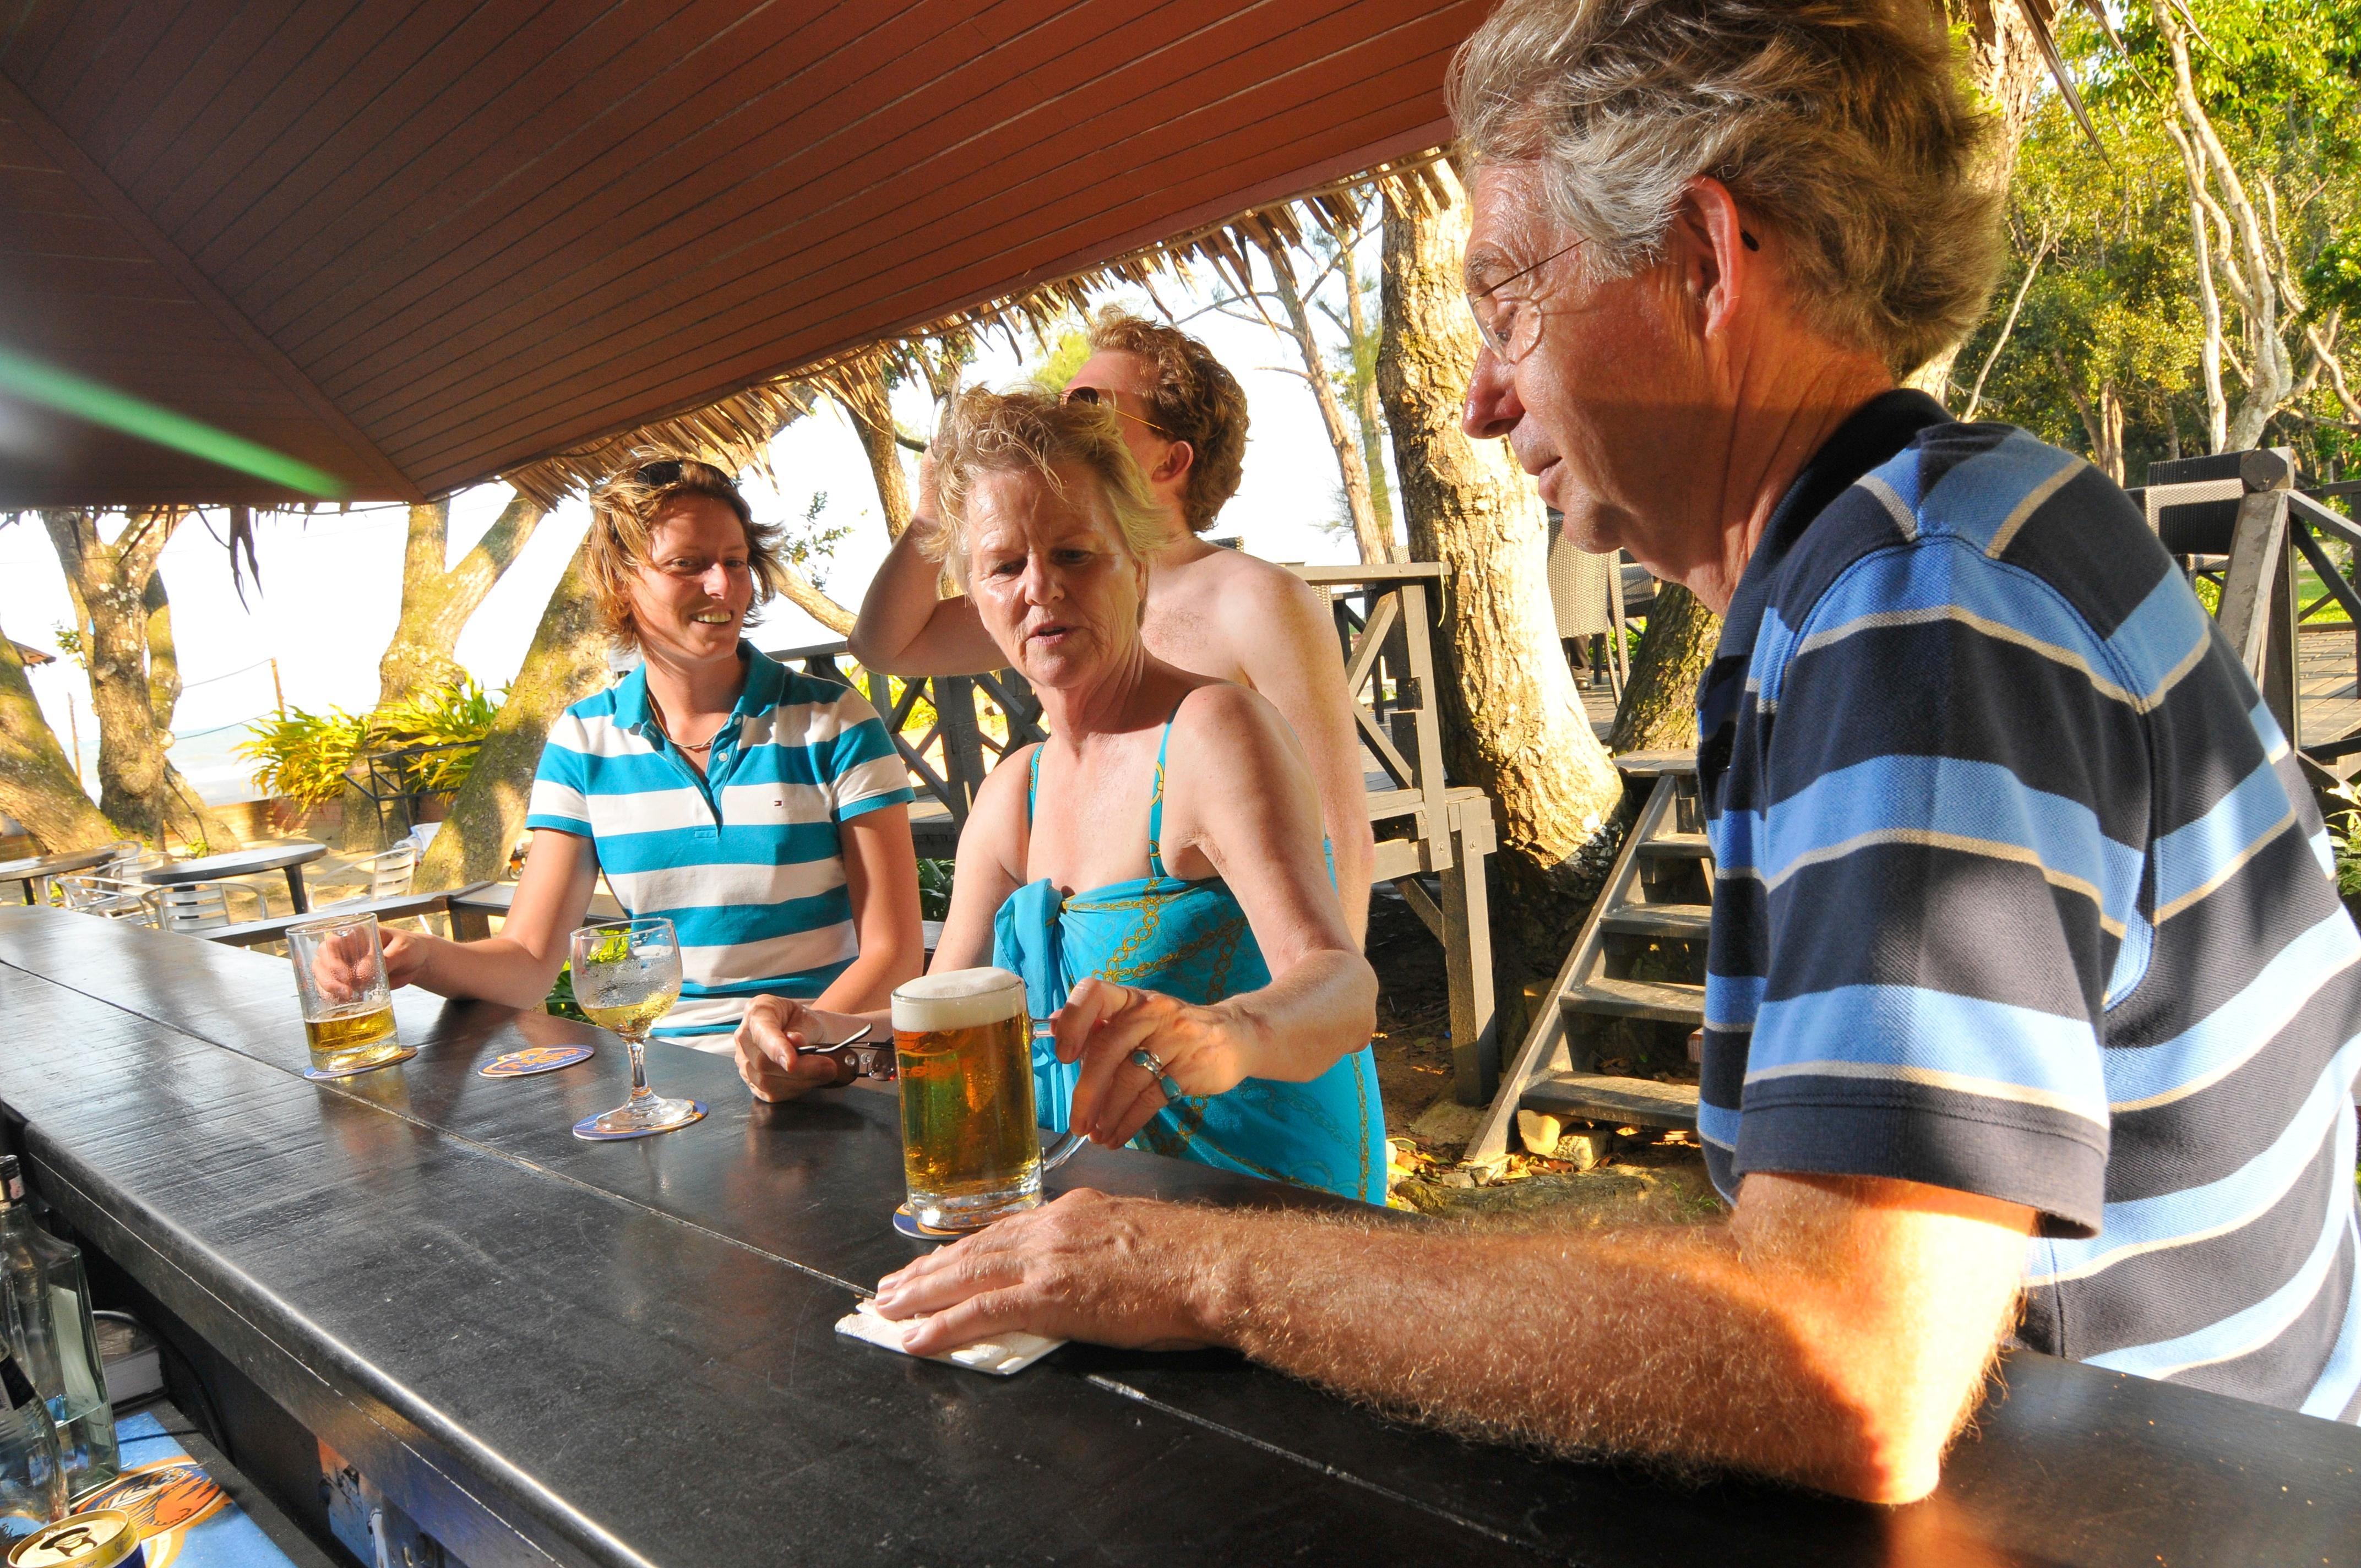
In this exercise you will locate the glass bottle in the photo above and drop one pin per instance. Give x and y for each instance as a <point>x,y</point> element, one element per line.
<point>32,1482</point>
<point>50,1328</point>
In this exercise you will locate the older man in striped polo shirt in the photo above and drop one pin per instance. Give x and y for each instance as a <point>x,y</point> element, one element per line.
<point>2031,1008</point>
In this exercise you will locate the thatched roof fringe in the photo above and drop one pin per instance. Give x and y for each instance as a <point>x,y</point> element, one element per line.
<point>737,431</point>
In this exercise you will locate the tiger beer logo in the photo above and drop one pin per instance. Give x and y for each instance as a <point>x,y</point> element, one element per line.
<point>168,1494</point>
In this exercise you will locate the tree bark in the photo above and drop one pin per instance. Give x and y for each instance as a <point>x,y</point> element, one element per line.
<point>437,603</point>
<point>862,389</point>
<point>38,786</point>
<point>2246,259</point>
<point>1659,708</point>
<point>137,785</point>
<point>566,663</point>
<point>1362,339</point>
<point>163,658</point>
<point>2011,77</point>
<point>1512,723</point>
<point>1352,468</point>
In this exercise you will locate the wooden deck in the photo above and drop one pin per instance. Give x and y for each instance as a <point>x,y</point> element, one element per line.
<point>2326,688</point>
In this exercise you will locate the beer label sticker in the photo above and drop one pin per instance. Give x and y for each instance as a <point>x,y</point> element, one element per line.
<point>538,1059</point>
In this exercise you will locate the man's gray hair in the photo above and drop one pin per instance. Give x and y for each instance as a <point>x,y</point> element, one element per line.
<point>1839,123</point>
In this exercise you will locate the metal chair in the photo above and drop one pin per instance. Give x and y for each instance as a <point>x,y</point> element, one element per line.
<point>389,873</point>
<point>203,905</point>
<point>109,898</point>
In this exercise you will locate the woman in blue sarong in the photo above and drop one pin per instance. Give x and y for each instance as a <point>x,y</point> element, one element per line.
<point>1154,871</point>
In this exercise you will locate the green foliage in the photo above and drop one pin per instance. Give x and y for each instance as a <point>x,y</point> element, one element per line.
<point>69,643</point>
<point>812,549</point>
<point>2332,279</point>
<point>305,756</point>
<point>2110,328</point>
<point>560,1001</point>
<point>1067,346</point>
<point>934,889</point>
<point>458,714</point>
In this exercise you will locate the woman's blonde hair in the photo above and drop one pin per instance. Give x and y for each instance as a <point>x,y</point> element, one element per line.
<point>1030,431</point>
<point>1840,122</point>
<point>623,508</point>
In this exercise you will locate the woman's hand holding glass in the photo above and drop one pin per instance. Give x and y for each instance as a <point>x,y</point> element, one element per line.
<point>1103,1025</point>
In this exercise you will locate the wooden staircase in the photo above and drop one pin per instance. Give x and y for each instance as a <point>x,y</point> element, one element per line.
<point>1659,895</point>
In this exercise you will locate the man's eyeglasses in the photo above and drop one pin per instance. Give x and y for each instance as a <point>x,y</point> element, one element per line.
<point>1510,326</point>
<point>1100,398</point>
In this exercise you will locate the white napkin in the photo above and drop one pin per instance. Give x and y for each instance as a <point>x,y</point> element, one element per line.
<point>1003,1356</point>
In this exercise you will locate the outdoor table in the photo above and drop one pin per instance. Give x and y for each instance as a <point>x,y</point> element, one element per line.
<point>31,871</point>
<point>545,1349</point>
<point>291,858</point>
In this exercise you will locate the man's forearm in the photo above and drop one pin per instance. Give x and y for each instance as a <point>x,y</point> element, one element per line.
<point>1661,1343</point>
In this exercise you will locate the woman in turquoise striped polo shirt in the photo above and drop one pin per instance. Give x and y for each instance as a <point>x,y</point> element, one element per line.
<point>762,811</point>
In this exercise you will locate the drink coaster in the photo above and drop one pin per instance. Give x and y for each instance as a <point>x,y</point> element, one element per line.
<point>588,1127</point>
<point>917,1230</point>
<point>322,1074</point>
<point>538,1059</point>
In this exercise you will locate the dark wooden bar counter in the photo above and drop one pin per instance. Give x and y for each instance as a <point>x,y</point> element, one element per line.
<point>548,1350</point>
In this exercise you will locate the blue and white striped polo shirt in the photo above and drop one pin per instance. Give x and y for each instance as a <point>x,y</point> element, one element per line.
<point>2021,894</point>
<point>745,861</point>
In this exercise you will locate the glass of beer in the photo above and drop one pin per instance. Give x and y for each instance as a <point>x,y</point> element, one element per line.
<point>963,1050</point>
<point>626,976</point>
<point>347,1006</point>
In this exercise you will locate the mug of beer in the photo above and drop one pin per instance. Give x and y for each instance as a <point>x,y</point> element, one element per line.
<point>347,1006</point>
<point>963,1050</point>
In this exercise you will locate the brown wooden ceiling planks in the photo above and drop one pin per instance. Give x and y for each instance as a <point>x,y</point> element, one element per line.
<point>420,242</point>
<point>962,194</point>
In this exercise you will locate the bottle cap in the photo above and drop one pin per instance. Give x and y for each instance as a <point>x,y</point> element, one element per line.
<point>102,1538</point>
<point>12,1180</point>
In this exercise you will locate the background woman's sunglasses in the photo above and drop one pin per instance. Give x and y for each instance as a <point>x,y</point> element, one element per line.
<point>1099,398</point>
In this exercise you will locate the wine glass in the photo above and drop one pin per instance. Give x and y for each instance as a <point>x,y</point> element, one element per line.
<point>626,976</point>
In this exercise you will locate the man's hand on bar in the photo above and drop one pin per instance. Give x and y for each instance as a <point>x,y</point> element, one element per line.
<point>771,1055</point>
<point>1837,1331</point>
<point>1110,1270</point>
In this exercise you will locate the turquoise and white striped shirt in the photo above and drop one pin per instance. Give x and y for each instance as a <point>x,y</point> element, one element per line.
<point>745,860</point>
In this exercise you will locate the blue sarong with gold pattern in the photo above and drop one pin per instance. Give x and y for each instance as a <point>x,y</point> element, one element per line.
<point>1190,940</point>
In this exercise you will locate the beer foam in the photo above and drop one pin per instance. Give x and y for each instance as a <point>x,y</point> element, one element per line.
<point>957,999</point>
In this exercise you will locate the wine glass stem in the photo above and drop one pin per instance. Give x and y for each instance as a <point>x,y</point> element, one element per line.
<point>640,1090</point>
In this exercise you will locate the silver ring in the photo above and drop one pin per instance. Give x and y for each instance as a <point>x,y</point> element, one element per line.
<point>1171,1091</point>
<point>1148,1059</point>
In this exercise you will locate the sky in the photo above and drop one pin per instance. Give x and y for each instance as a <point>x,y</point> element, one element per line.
<point>331,582</point>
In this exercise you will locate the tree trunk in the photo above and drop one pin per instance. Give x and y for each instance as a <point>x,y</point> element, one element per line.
<point>137,785</point>
<point>1512,723</point>
<point>436,603</point>
<point>1659,708</point>
<point>566,663</point>
<point>38,786</point>
<point>862,389</point>
<point>1351,466</point>
<point>2248,267</point>
<point>2011,76</point>
<point>1363,341</point>
<point>163,658</point>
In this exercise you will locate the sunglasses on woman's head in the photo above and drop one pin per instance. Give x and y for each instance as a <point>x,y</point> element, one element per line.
<point>1100,398</point>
